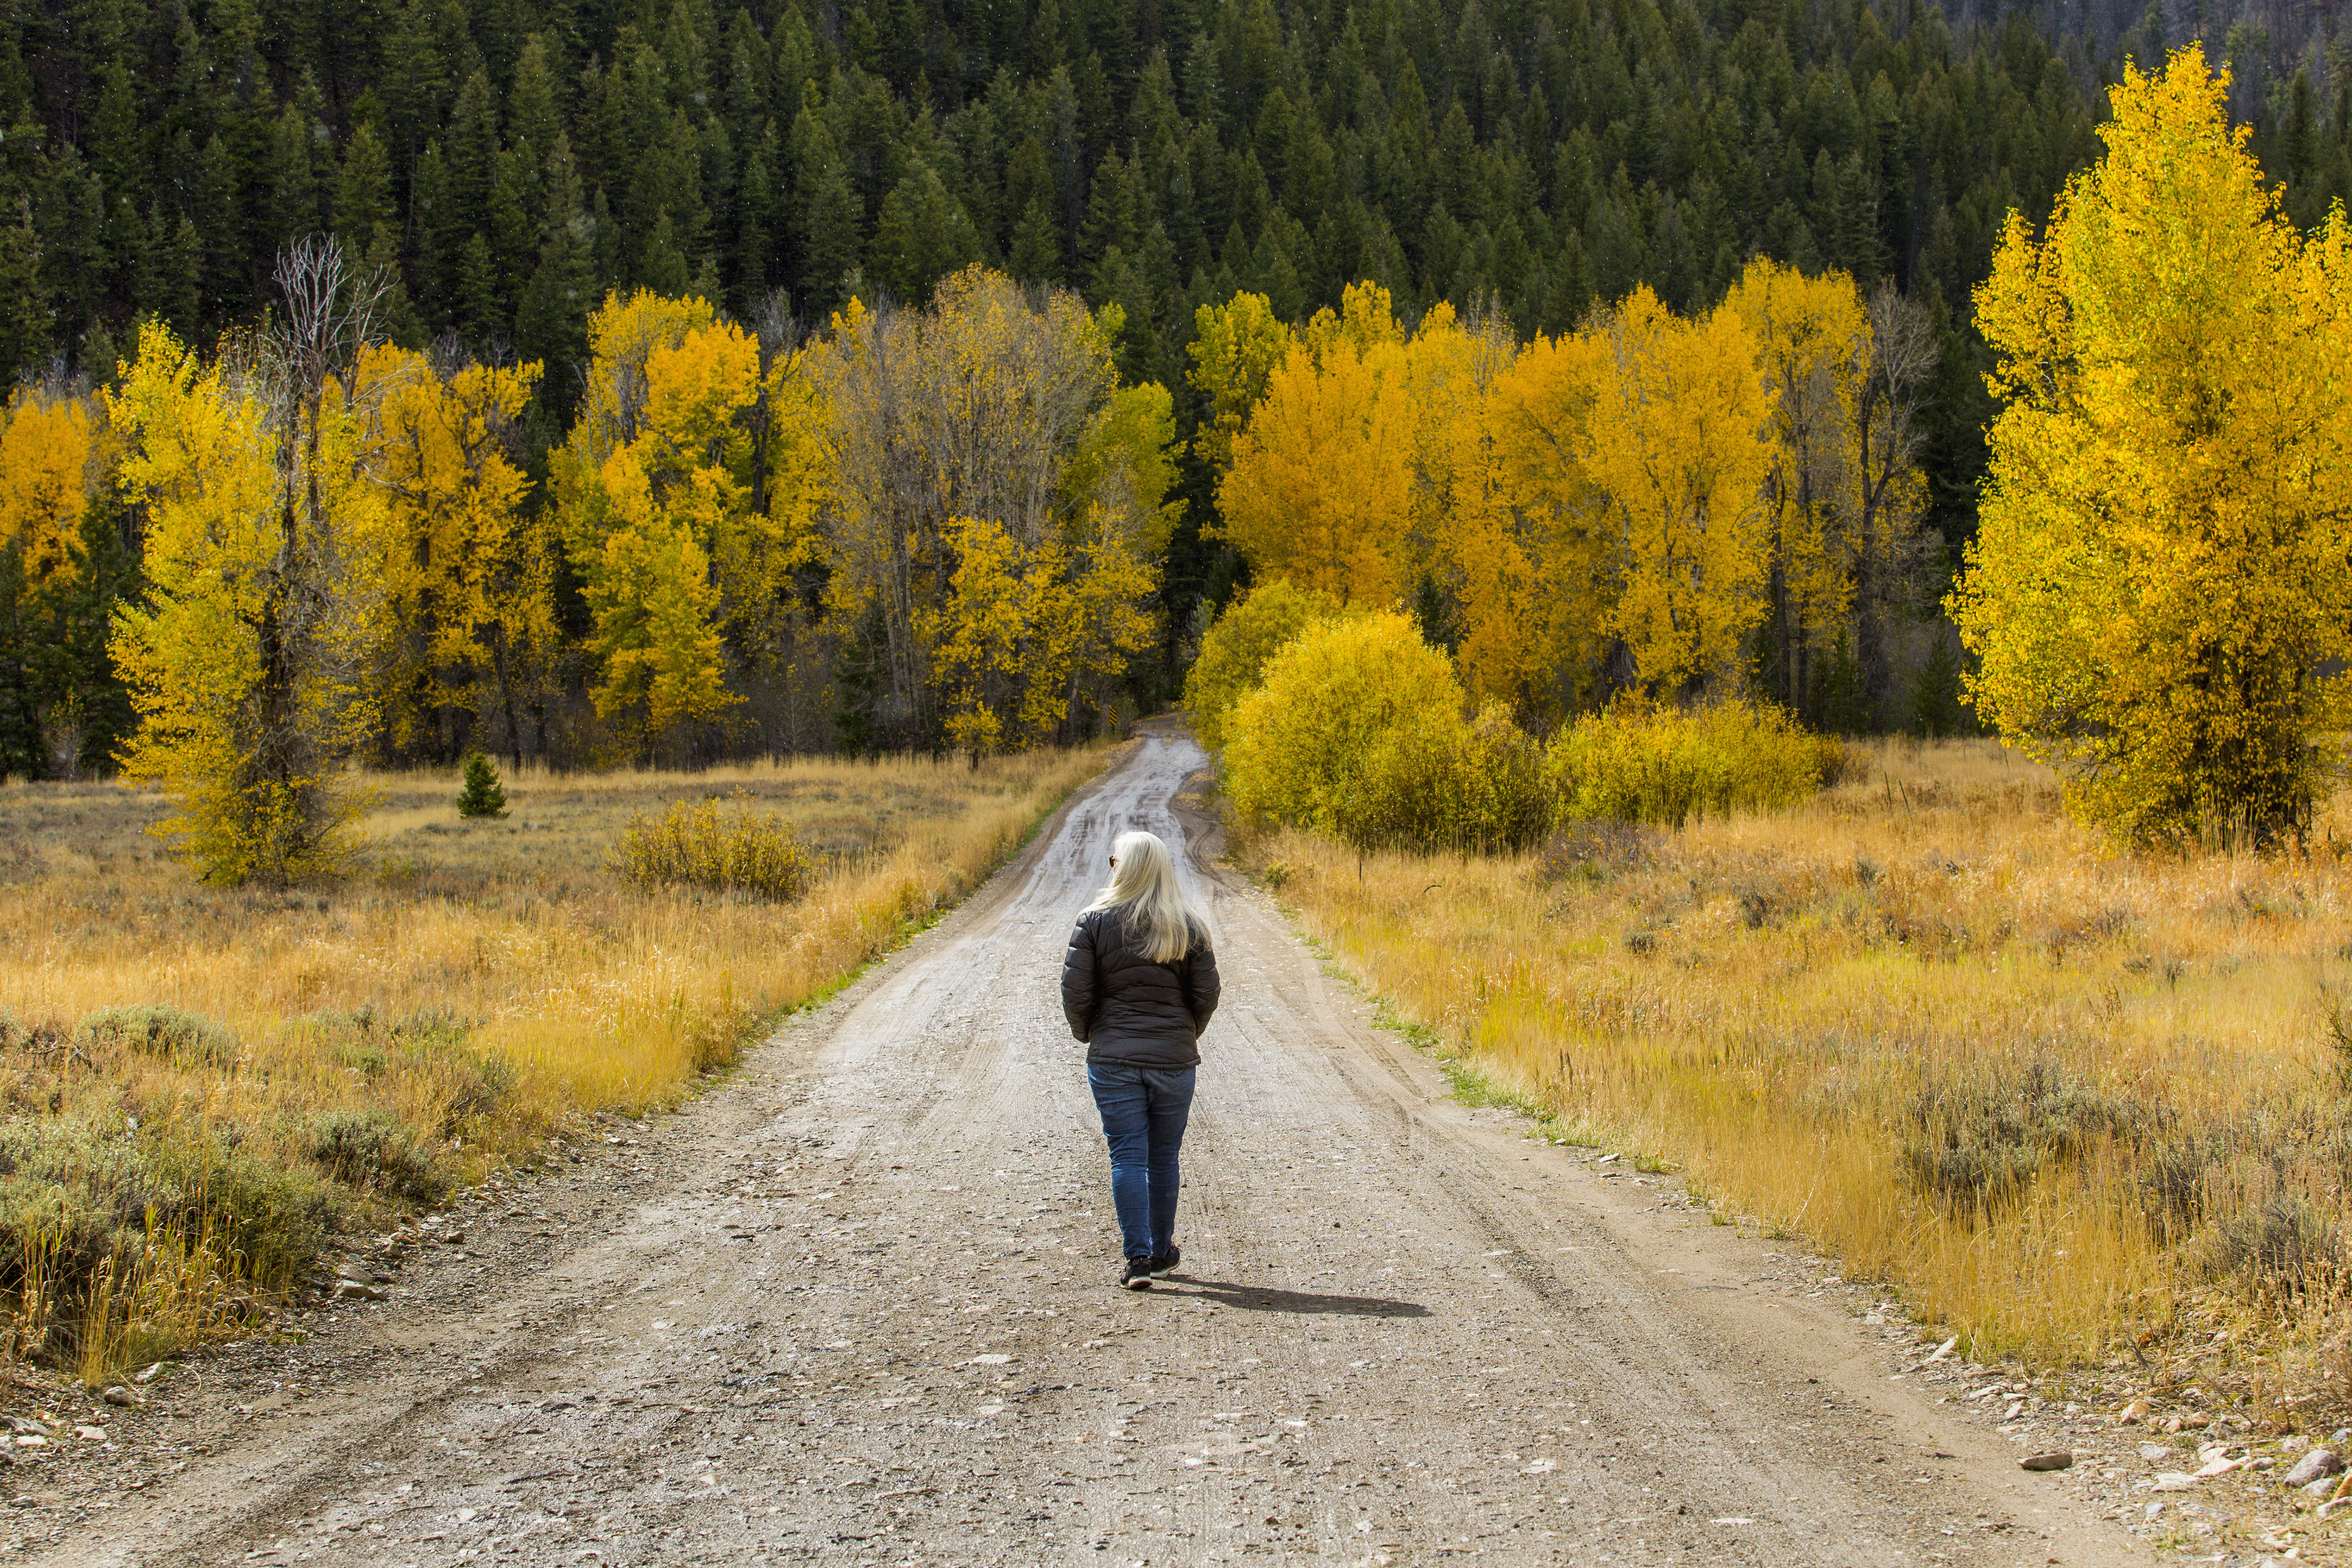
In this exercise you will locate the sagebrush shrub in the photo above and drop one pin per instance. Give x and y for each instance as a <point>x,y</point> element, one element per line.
<point>187,1040</point>
<point>369,1148</point>
<point>737,850</point>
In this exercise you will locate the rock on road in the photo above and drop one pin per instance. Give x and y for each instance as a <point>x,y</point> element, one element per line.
<point>855,1307</point>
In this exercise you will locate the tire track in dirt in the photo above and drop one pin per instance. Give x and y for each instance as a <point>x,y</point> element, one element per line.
<point>855,1307</point>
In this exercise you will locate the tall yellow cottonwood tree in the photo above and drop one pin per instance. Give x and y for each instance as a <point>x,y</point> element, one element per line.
<point>468,581</point>
<point>1812,343</point>
<point>1321,491</point>
<point>999,500</point>
<point>2160,592</point>
<point>248,659</point>
<point>1527,535</point>
<point>1679,441</point>
<point>650,485</point>
<point>51,447</point>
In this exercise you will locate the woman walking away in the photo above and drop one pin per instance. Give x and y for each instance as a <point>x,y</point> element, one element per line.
<point>1137,987</point>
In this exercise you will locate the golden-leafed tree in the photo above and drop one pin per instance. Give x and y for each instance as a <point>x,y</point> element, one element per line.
<point>651,486</point>
<point>1234,350</point>
<point>1812,343</point>
<point>2160,591</point>
<point>250,655</point>
<point>1679,441</point>
<point>53,453</point>
<point>998,505</point>
<point>1527,539</point>
<point>1322,488</point>
<point>56,459</point>
<point>469,580</point>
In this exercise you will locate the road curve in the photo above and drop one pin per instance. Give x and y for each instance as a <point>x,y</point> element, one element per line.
<point>855,1307</point>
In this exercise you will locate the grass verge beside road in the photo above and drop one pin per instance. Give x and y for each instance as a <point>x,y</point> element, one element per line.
<point>202,1087</point>
<point>2086,1108</point>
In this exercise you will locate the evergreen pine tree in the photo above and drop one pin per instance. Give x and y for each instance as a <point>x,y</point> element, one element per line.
<point>24,310</point>
<point>829,242</point>
<point>551,324</point>
<point>483,794</point>
<point>1036,256</point>
<point>1937,709</point>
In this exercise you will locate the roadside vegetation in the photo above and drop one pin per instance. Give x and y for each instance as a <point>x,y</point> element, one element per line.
<point>2062,1099</point>
<point>203,1086</point>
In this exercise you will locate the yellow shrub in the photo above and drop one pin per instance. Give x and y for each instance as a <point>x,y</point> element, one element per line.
<point>739,851</point>
<point>1235,651</point>
<point>1640,764</point>
<point>1299,749</point>
<point>1439,783</point>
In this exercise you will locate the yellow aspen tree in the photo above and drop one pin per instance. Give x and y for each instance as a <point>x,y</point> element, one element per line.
<point>248,658</point>
<point>766,544</point>
<point>1321,491</point>
<point>53,452</point>
<point>1126,462</point>
<point>1527,537</point>
<point>990,422</point>
<point>655,607</point>
<point>1812,341</point>
<point>2160,591</point>
<point>1090,620</point>
<point>1679,441</point>
<point>651,486</point>
<point>981,634</point>
<point>199,458</point>
<point>1234,349</point>
<point>1447,369</point>
<point>468,581</point>
<point>1024,627</point>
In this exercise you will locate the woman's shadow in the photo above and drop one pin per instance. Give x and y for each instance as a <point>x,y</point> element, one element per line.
<point>1265,1299</point>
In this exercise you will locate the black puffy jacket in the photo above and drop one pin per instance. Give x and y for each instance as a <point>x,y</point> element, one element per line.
<point>1129,1011</point>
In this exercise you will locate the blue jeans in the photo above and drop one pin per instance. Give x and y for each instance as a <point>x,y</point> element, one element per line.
<point>1143,1115</point>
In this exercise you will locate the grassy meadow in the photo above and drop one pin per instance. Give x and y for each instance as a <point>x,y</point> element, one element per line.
<point>203,1086</point>
<point>2081,1106</point>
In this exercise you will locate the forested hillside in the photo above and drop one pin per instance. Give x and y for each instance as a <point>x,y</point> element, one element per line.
<point>511,164</point>
<point>515,158</point>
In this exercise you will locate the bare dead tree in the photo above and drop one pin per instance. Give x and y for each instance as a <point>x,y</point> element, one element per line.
<point>313,621</point>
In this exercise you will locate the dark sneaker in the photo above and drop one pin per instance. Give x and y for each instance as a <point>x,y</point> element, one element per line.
<point>1166,1263</point>
<point>1138,1275</point>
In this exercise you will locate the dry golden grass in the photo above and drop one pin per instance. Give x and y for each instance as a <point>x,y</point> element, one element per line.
<point>478,984</point>
<point>2061,1097</point>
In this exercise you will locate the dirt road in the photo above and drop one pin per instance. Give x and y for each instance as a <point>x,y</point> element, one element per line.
<point>856,1306</point>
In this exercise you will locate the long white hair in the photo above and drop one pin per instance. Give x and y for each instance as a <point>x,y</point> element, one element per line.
<point>1143,885</point>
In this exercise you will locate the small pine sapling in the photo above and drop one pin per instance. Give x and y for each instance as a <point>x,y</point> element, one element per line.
<point>483,794</point>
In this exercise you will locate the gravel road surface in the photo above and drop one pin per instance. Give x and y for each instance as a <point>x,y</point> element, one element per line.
<point>856,1306</point>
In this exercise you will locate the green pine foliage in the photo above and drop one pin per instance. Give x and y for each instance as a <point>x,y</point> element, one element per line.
<point>483,794</point>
